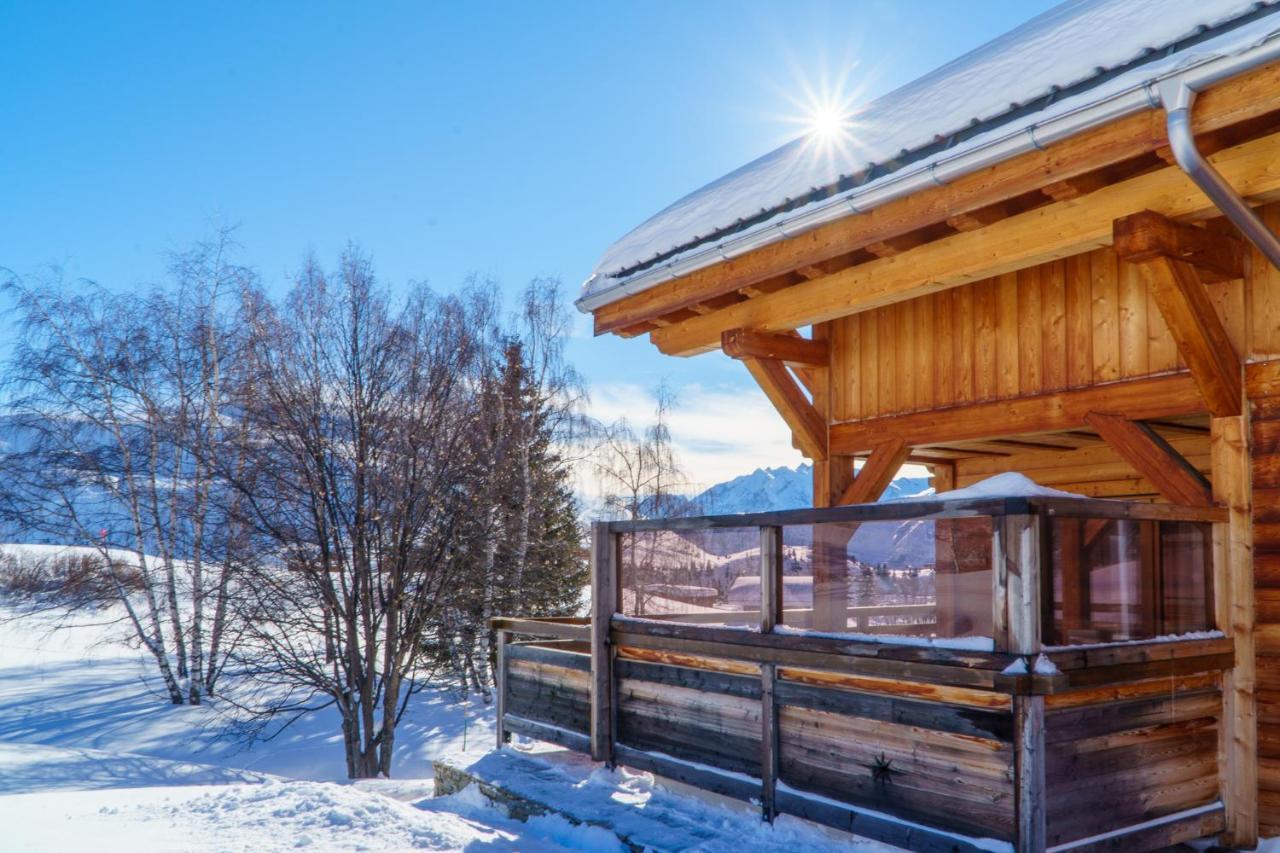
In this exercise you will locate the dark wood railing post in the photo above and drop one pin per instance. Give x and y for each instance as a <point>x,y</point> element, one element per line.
<point>604,603</point>
<point>770,611</point>
<point>1017,549</point>
<point>500,676</point>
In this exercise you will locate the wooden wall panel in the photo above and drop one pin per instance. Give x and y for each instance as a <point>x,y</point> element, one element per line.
<point>1067,324</point>
<point>1262,298</point>
<point>1264,392</point>
<point>713,719</point>
<point>1127,762</point>
<point>934,764</point>
<point>545,693</point>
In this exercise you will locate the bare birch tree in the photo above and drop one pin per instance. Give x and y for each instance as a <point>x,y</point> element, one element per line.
<point>116,407</point>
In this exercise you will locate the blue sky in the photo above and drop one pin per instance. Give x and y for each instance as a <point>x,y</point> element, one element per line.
<point>502,140</point>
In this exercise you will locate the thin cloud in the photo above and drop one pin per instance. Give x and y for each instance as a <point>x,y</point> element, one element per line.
<point>719,433</point>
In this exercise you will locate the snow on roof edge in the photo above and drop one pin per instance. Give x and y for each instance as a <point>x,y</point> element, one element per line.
<point>1248,25</point>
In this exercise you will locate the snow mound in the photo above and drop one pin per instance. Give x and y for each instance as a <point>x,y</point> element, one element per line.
<point>320,815</point>
<point>1010,484</point>
<point>646,813</point>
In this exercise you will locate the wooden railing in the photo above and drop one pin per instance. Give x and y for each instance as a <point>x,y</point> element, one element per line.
<point>837,729</point>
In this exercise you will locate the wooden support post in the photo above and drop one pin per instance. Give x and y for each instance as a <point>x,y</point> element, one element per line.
<point>1234,606</point>
<point>1017,549</point>
<point>770,577</point>
<point>604,602</point>
<point>770,611</point>
<point>768,743</point>
<point>1029,767</point>
<point>829,555</point>
<point>1017,603</point>
<point>942,476</point>
<point>503,735</point>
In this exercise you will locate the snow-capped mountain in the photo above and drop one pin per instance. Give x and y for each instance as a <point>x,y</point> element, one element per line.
<point>768,489</point>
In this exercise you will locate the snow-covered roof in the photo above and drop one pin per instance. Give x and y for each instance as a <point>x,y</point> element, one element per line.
<point>1076,55</point>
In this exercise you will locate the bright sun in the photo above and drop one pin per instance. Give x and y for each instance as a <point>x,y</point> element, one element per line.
<point>827,122</point>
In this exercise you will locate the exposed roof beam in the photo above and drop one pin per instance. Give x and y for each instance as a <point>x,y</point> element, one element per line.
<point>1075,187</point>
<point>1147,235</point>
<point>974,219</point>
<point>1153,458</point>
<point>1157,397</point>
<point>789,348</point>
<point>891,246</point>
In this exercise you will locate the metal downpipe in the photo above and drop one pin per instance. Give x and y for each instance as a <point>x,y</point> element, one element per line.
<point>1178,99</point>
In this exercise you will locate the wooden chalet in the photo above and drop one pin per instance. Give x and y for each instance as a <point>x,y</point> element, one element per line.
<point>1055,256</point>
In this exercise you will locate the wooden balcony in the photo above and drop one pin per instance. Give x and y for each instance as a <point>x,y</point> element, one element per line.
<point>888,728</point>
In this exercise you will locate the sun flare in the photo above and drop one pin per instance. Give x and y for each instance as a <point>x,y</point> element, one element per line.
<point>827,121</point>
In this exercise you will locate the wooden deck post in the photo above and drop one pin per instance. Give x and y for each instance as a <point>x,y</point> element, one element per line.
<point>604,603</point>
<point>1234,606</point>
<point>770,610</point>
<point>502,638</point>
<point>1016,557</point>
<point>1029,764</point>
<point>1016,603</point>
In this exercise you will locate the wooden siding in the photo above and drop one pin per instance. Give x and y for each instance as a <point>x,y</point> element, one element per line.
<point>1068,324</point>
<point>926,761</point>
<point>548,686</point>
<point>1072,323</point>
<point>1264,391</point>
<point>709,717</point>
<point>1153,753</point>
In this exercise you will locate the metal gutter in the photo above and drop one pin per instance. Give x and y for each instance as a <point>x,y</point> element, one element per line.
<point>1178,96</point>
<point>1142,96</point>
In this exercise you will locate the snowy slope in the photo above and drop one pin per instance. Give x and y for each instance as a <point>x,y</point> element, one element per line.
<point>92,755</point>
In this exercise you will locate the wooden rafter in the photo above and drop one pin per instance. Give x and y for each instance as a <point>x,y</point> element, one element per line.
<point>1048,233</point>
<point>808,429</point>
<point>1154,458</point>
<point>891,246</point>
<point>1168,257</point>
<point>1075,187</point>
<point>876,473</point>
<point>1251,95</point>
<point>1141,399</point>
<point>974,219</point>
<point>789,348</point>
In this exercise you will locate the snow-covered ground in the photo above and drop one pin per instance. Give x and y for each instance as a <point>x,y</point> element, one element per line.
<point>92,756</point>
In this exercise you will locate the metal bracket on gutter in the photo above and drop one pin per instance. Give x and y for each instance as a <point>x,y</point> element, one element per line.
<point>1178,98</point>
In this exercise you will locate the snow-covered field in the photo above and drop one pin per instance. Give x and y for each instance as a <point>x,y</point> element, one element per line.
<point>92,756</point>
